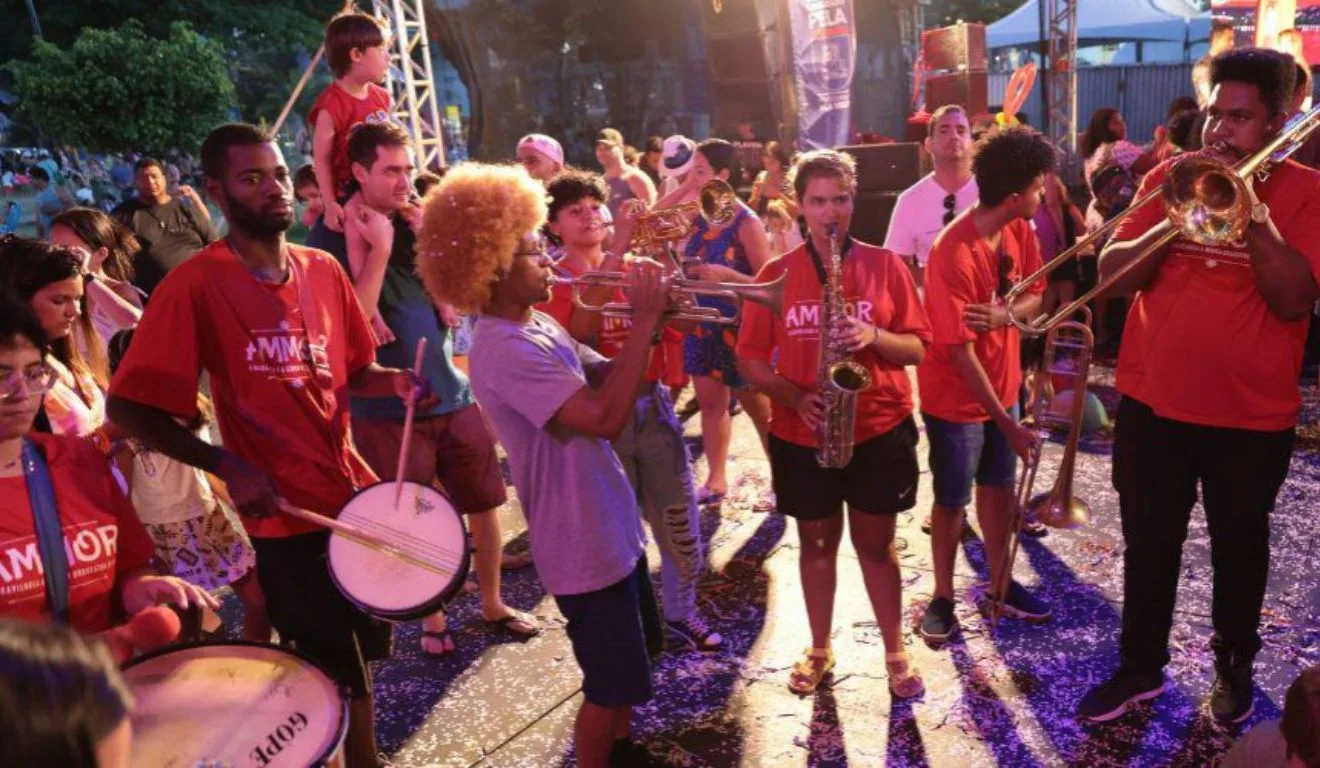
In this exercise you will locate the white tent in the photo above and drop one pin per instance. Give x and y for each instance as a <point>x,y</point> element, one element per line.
<point>1105,22</point>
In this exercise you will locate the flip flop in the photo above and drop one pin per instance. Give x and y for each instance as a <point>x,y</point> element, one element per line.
<point>446,640</point>
<point>515,562</point>
<point>517,624</point>
<point>707,498</point>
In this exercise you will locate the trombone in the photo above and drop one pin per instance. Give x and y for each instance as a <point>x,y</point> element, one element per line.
<point>1205,199</point>
<point>683,295</point>
<point>1058,508</point>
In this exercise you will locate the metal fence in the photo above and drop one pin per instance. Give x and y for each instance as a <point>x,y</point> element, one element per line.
<point>1142,92</point>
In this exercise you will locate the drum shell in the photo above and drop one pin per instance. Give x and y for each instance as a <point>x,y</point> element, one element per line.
<point>329,757</point>
<point>338,552</point>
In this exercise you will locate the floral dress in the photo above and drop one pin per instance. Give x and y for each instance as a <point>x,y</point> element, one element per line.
<point>708,351</point>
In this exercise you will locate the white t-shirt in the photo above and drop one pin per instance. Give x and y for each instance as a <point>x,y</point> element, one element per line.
<point>919,216</point>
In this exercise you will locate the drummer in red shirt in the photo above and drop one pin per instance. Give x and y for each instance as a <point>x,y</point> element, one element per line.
<point>280,331</point>
<point>969,383</point>
<point>886,330</point>
<point>96,532</point>
<point>1211,354</point>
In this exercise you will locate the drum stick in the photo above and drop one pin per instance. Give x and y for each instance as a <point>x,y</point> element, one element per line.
<point>407,426</point>
<point>359,536</point>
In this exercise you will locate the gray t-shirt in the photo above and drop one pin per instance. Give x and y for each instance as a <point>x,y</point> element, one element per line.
<point>1262,747</point>
<point>582,514</point>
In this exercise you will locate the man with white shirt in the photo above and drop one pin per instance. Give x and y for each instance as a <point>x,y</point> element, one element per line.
<point>927,207</point>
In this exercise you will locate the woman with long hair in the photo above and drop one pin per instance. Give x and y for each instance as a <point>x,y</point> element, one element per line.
<point>773,183</point>
<point>113,304</point>
<point>49,280</point>
<point>731,253</point>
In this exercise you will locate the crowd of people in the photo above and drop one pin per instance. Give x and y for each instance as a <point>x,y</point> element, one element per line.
<point>128,340</point>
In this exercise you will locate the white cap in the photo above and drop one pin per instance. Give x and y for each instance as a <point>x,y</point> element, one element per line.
<point>84,195</point>
<point>545,145</point>
<point>678,154</point>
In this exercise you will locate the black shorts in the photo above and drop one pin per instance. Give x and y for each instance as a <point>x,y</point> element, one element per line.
<point>881,479</point>
<point>310,612</point>
<point>615,632</point>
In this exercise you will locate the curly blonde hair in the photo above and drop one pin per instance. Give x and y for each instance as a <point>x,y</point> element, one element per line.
<point>472,222</point>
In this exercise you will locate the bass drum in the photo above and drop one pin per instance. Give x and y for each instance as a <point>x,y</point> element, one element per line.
<point>234,704</point>
<point>426,527</point>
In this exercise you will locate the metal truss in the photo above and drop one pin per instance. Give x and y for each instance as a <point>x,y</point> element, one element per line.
<point>411,80</point>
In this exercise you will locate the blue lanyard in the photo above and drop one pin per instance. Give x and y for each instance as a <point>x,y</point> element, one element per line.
<point>50,534</point>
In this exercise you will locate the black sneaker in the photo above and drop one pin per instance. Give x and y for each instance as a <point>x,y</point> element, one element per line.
<point>626,753</point>
<point>939,623</point>
<point>697,633</point>
<point>1021,604</point>
<point>1118,694</point>
<point>1231,695</point>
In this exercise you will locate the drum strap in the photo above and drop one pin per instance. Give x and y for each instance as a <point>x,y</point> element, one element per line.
<point>50,534</point>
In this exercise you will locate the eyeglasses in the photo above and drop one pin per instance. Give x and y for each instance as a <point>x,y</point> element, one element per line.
<point>38,380</point>
<point>949,202</point>
<point>539,250</point>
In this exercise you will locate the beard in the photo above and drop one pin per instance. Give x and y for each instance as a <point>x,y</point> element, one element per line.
<point>255,223</point>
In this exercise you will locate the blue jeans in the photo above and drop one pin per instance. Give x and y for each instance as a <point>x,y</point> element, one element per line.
<point>961,453</point>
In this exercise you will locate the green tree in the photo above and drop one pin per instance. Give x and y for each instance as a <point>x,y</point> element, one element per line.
<point>120,88</point>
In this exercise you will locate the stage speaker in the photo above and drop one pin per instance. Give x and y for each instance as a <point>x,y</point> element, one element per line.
<point>954,49</point>
<point>969,89</point>
<point>749,68</point>
<point>886,167</point>
<point>871,214</point>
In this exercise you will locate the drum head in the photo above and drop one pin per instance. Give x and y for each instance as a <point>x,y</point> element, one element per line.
<point>233,704</point>
<point>424,525</point>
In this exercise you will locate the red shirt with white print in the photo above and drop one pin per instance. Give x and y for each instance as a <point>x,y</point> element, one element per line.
<point>280,357</point>
<point>877,289</point>
<point>348,113</point>
<point>103,539</point>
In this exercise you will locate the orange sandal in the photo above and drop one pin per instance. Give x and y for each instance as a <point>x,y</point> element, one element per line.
<point>906,683</point>
<point>807,676</point>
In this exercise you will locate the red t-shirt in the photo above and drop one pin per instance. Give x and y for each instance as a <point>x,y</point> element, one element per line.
<point>1200,345</point>
<point>348,113</point>
<point>878,289</point>
<point>279,356</point>
<point>103,539</point>
<point>964,270</point>
<point>614,331</point>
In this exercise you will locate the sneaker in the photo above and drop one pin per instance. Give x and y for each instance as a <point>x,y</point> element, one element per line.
<point>1034,528</point>
<point>1021,604</point>
<point>939,623</point>
<point>697,633</point>
<point>1231,695</point>
<point>1118,694</point>
<point>627,753</point>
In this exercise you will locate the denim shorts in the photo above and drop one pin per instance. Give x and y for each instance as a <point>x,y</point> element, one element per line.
<point>961,453</point>
<point>615,634</point>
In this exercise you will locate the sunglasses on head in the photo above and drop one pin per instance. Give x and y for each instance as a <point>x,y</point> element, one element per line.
<point>949,202</point>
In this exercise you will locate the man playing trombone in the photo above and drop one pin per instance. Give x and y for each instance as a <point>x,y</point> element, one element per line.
<point>1208,371</point>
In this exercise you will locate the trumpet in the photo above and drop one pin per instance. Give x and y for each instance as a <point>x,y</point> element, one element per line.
<point>1205,199</point>
<point>683,295</point>
<point>718,204</point>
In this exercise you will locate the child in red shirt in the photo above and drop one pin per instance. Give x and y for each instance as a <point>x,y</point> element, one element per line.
<point>885,330</point>
<point>969,381</point>
<point>355,46</point>
<point>107,549</point>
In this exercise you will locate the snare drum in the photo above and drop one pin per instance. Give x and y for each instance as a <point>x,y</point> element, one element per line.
<point>424,525</point>
<point>234,704</point>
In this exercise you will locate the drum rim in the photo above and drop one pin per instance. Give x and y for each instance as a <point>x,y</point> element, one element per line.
<point>427,607</point>
<point>341,729</point>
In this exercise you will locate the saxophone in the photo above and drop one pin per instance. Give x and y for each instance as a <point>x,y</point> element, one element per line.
<point>841,378</point>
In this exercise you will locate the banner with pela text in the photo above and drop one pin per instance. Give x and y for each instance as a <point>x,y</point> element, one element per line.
<point>824,59</point>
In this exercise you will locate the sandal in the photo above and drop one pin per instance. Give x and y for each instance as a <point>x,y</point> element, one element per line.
<point>514,562</point>
<point>806,676</point>
<point>708,498</point>
<point>906,684</point>
<point>516,623</point>
<point>441,636</point>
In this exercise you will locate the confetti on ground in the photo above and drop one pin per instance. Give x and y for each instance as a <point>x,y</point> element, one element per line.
<point>993,699</point>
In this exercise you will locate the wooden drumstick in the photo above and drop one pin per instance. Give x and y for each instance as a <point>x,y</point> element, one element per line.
<point>359,536</point>
<point>407,426</point>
